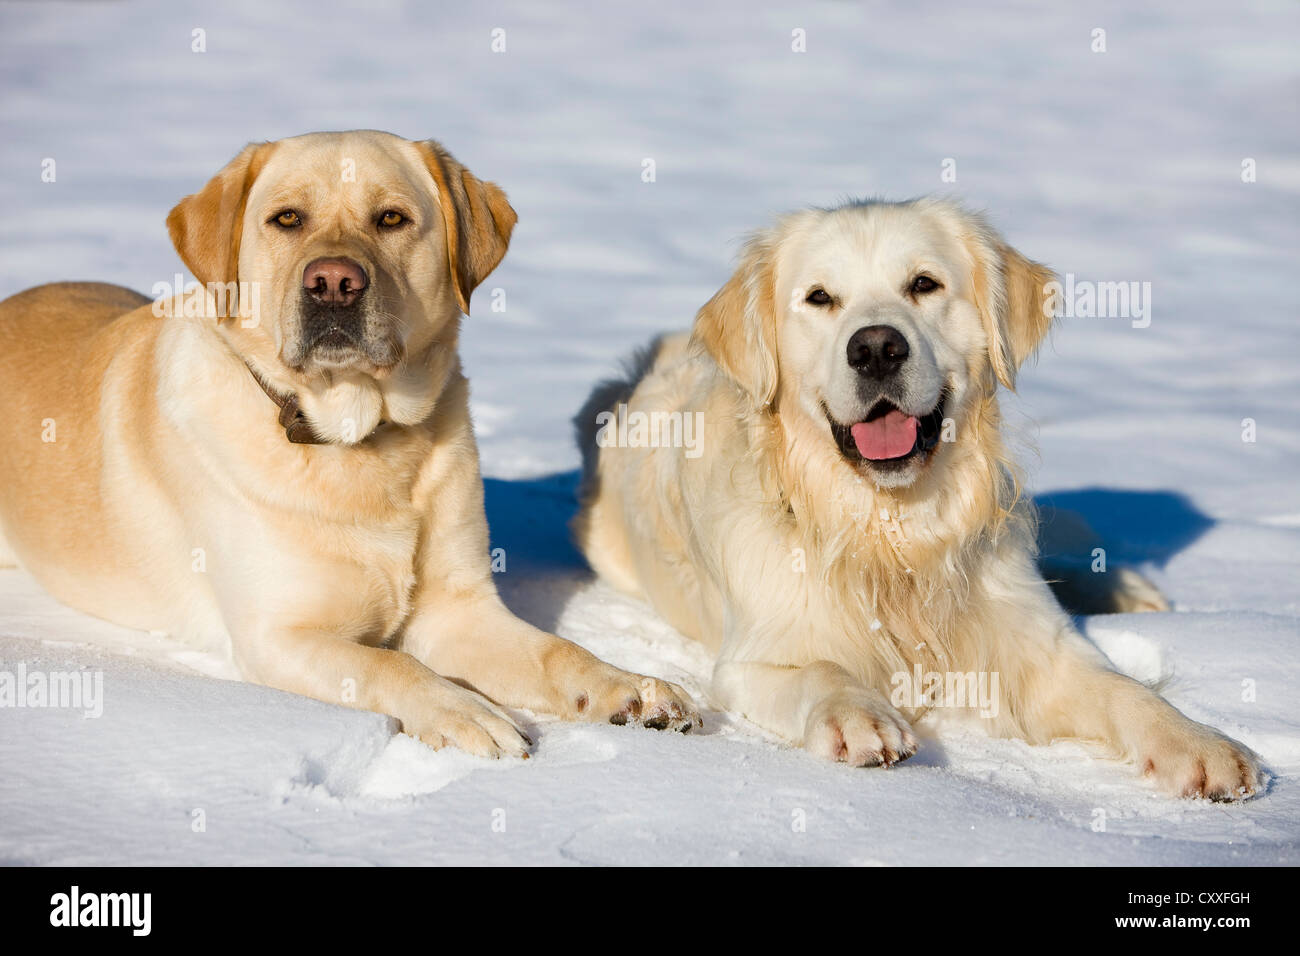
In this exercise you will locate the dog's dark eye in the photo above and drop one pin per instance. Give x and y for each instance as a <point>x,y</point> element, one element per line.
<point>287,219</point>
<point>818,297</point>
<point>391,219</point>
<point>923,284</point>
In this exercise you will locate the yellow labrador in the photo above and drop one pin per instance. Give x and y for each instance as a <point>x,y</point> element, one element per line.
<point>813,483</point>
<point>283,460</point>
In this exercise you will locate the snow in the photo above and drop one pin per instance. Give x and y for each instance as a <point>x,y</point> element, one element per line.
<point>1116,166</point>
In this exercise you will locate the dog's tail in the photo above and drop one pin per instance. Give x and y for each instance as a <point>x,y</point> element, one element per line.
<point>612,392</point>
<point>1067,559</point>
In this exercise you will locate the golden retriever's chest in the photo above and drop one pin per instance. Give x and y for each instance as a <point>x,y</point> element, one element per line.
<point>891,607</point>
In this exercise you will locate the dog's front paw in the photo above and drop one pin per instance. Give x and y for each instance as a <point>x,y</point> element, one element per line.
<point>620,697</point>
<point>462,719</point>
<point>1192,760</point>
<point>859,728</point>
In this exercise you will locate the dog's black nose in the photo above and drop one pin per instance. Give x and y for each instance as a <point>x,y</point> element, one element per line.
<point>877,350</point>
<point>334,281</point>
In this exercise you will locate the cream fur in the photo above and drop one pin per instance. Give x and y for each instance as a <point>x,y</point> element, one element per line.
<point>817,581</point>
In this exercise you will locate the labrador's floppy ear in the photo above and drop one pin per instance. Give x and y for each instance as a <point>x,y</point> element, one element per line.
<point>205,227</point>
<point>478,216</point>
<point>738,325</point>
<point>1015,297</point>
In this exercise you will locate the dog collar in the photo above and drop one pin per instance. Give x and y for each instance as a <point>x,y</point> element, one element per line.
<point>296,427</point>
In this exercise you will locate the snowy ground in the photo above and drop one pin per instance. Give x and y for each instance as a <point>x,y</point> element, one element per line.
<point>1122,165</point>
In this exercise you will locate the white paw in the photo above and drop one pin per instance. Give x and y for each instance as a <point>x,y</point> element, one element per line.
<point>1192,760</point>
<point>859,728</point>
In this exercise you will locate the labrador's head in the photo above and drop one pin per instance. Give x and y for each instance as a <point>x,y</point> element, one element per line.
<point>361,246</point>
<point>881,323</point>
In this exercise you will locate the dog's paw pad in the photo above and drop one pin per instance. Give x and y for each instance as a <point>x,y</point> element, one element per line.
<point>652,703</point>
<point>859,730</point>
<point>1202,764</point>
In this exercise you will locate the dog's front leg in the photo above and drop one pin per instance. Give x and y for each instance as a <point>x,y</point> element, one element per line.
<point>460,627</point>
<point>478,641</point>
<point>819,706</point>
<point>329,667</point>
<point>1061,686</point>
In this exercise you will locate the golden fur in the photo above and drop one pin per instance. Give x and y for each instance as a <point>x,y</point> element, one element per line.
<point>145,479</point>
<point>819,580</point>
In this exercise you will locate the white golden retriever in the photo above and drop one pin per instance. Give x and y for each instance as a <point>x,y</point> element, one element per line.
<point>845,530</point>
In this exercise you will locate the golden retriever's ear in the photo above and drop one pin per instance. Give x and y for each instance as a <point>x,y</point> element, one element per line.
<point>205,227</point>
<point>478,216</point>
<point>738,325</point>
<point>1015,299</point>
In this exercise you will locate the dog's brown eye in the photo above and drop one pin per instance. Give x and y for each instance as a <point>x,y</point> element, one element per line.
<point>923,284</point>
<point>391,218</point>
<point>288,219</point>
<point>818,297</point>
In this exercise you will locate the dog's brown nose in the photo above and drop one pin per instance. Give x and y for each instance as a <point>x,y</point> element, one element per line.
<point>334,281</point>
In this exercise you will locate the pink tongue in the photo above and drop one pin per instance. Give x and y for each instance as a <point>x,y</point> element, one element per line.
<point>892,435</point>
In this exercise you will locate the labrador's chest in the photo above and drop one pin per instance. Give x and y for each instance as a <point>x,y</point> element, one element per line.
<point>336,532</point>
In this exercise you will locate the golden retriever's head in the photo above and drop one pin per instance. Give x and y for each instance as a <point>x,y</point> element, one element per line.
<point>359,248</point>
<point>883,324</point>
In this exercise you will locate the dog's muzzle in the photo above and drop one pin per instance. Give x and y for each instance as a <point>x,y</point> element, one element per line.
<point>337,322</point>
<point>888,437</point>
